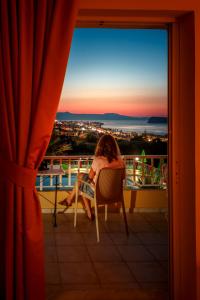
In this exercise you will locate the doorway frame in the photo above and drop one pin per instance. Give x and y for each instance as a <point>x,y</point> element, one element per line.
<point>181,150</point>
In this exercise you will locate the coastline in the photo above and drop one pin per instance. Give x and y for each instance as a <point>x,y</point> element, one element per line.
<point>137,125</point>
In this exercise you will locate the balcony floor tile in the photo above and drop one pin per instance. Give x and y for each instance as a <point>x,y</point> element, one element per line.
<point>51,254</point>
<point>103,253</point>
<point>72,254</point>
<point>135,253</point>
<point>149,238</point>
<point>160,252</point>
<point>90,238</point>
<point>52,273</point>
<point>77,273</point>
<point>120,238</point>
<point>113,272</point>
<point>77,267</point>
<point>69,238</point>
<point>148,271</point>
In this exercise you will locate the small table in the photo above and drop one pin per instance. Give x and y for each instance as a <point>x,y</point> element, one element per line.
<point>56,173</point>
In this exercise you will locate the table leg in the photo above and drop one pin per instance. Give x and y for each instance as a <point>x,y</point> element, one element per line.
<point>55,204</point>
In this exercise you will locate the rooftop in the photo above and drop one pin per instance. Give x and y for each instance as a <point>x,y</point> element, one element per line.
<point>77,267</point>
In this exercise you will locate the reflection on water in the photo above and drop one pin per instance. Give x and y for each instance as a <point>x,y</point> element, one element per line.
<point>138,126</point>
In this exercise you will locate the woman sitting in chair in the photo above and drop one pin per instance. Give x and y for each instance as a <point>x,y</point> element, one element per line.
<point>107,155</point>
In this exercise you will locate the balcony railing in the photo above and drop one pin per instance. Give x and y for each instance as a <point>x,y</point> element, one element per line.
<point>149,171</point>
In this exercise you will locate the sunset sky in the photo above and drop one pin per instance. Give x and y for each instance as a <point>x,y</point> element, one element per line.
<point>117,70</point>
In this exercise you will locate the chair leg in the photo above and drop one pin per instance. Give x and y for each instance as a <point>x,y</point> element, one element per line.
<point>96,219</point>
<point>76,205</point>
<point>125,219</point>
<point>106,212</point>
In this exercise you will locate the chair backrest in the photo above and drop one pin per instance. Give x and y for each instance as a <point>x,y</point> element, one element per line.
<point>109,185</point>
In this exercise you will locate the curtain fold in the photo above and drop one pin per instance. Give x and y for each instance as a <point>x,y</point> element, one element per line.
<point>35,38</point>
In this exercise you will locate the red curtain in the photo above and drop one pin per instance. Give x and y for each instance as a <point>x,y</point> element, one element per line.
<point>35,38</point>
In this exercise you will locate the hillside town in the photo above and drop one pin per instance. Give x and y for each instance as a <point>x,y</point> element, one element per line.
<point>80,137</point>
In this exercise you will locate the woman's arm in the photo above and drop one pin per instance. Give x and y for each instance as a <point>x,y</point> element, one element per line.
<point>93,169</point>
<point>91,174</point>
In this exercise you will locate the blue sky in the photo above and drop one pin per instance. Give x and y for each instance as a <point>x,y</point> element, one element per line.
<point>117,70</point>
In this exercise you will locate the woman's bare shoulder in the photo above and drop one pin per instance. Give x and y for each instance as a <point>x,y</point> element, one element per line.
<point>100,158</point>
<point>119,157</point>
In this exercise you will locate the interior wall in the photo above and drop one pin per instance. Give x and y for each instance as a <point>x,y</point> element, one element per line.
<point>182,178</point>
<point>197,141</point>
<point>144,5</point>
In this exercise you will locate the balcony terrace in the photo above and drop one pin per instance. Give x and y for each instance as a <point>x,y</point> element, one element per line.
<point>77,267</point>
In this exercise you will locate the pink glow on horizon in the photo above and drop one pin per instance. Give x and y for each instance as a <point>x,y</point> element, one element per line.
<point>131,106</point>
<point>134,101</point>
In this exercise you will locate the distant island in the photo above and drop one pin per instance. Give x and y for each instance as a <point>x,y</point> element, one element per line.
<point>157,120</point>
<point>107,116</point>
<point>67,116</point>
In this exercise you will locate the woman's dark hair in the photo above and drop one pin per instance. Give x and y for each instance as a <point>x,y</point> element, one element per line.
<point>107,146</point>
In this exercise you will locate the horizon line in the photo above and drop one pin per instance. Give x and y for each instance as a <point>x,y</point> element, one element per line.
<point>96,113</point>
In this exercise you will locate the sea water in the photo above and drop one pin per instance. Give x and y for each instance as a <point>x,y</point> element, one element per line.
<point>140,126</point>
